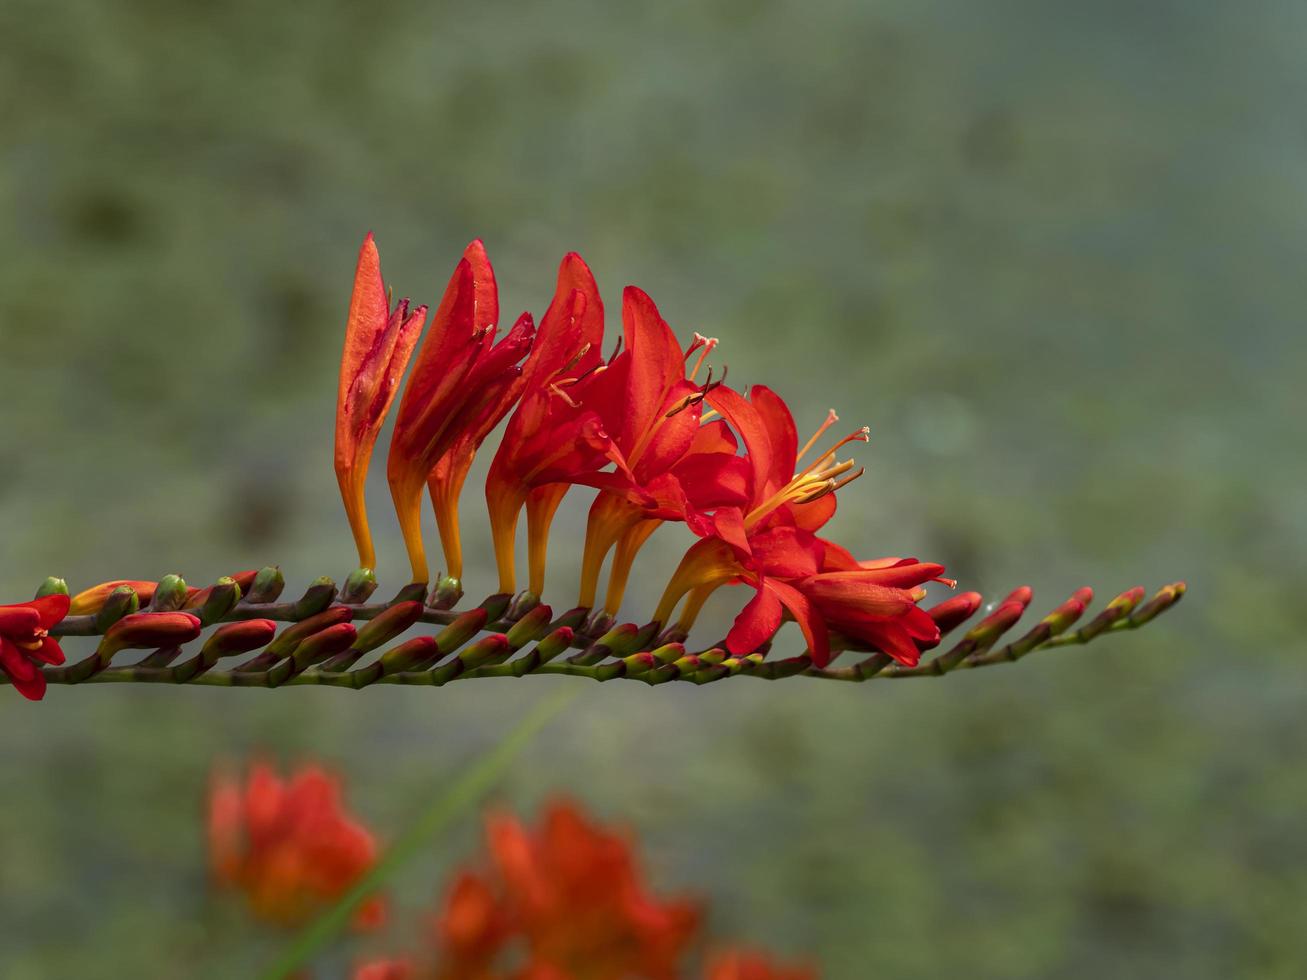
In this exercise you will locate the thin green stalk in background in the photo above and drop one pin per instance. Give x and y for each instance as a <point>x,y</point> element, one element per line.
<point>462,793</point>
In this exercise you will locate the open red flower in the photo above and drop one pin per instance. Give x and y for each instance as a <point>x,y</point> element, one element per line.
<point>870,604</point>
<point>378,343</point>
<point>459,375</point>
<point>771,534</point>
<point>25,642</point>
<point>554,436</point>
<point>670,466</point>
<point>290,847</point>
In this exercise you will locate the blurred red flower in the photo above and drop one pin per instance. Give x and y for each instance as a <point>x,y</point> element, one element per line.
<point>744,964</point>
<point>289,846</point>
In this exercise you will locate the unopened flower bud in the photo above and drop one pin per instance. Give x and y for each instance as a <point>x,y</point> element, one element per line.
<point>487,650</point>
<point>267,586</point>
<point>290,638</point>
<point>447,593</point>
<point>409,655</point>
<point>235,638</point>
<point>122,601</point>
<point>669,652</point>
<point>92,600</point>
<point>558,642</point>
<point>638,663</point>
<point>325,643</point>
<point>617,642</point>
<point>1002,619</point>
<point>1165,598</point>
<point>360,585</point>
<point>531,626</point>
<point>953,612</point>
<point>52,586</point>
<point>496,605</point>
<point>462,629</point>
<point>213,603</point>
<point>410,592</point>
<point>1117,610</point>
<point>169,595</point>
<point>1064,616</point>
<point>150,629</point>
<point>320,594</point>
<point>522,604</point>
<point>386,625</point>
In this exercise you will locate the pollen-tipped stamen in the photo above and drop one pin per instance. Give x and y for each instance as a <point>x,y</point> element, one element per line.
<point>831,419</point>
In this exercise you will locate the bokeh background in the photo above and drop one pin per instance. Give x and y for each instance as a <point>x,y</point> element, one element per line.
<point>1051,253</point>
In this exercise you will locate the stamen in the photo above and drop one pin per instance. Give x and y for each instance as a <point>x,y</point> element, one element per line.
<point>831,419</point>
<point>585,349</point>
<point>707,344</point>
<point>823,488</point>
<point>861,435</point>
<point>833,471</point>
<point>695,397</point>
<point>841,484</point>
<point>558,390</point>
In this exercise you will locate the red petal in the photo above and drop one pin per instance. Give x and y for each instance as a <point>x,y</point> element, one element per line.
<point>19,620</point>
<point>25,676</point>
<point>673,437</point>
<point>369,311</point>
<point>715,479</point>
<point>745,419</point>
<point>756,624</point>
<point>776,417</point>
<point>49,653</point>
<point>656,365</point>
<point>785,551</point>
<point>483,278</point>
<point>51,608</point>
<point>902,576</point>
<point>806,615</point>
<point>729,524</point>
<point>575,318</point>
<point>715,437</point>
<point>814,515</point>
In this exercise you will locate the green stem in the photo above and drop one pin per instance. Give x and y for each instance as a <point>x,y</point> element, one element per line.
<point>476,780</point>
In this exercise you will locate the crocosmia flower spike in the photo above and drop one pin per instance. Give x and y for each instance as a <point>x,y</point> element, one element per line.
<point>661,441</point>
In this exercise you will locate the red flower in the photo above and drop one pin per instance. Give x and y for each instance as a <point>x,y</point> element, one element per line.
<point>288,846</point>
<point>459,380</point>
<point>25,642</point>
<point>570,892</point>
<point>770,545</point>
<point>873,604</point>
<point>744,964</point>
<point>670,466</point>
<point>378,343</point>
<point>554,436</point>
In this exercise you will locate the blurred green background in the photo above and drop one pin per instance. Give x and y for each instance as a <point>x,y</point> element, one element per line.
<point>1050,253</point>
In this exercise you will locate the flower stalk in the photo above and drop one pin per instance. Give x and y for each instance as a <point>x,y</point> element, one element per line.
<point>505,636</point>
